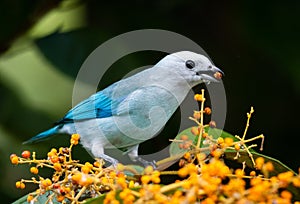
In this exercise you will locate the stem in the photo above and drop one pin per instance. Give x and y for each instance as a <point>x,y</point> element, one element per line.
<point>201,120</point>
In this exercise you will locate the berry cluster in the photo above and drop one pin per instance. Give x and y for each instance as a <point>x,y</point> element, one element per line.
<point>203,175</point>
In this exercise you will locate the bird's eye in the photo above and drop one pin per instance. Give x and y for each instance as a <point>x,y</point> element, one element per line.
<point>209,67</point>
<point>190,64</point>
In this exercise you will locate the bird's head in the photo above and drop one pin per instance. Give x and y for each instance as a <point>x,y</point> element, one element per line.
<point>195,68</point>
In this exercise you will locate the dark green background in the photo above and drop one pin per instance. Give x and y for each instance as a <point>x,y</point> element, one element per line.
<point>256,43</point>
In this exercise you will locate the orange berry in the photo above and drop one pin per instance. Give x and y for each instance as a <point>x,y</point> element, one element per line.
<point>12,155</point>
<point>60,198</point>
<point>228,141</point>
<point>74,142</point>
<point>198,97</point>
<point>187,155</point>
<point>186,145</point>
<point>239,173</point>
<point>20,185</point>
<point>97,164</point>
<point>285,176</point>
<point>57,166</point>
<point>207,110</point>
<point>259,162</point>
<point>85,169</point>
<point>296,182</point>
<point>204,135</point>
<point>77,177</point>
<point>252,173</point>
<point>183,172</point>
<point>75,137</point>
<point>184,137</point>
<point>54,159</point>
<point>195,131</point>
<point>286,194</point>
<point>216,153</point>
<point>14,159</point>
<point>29,198</point>
<point>88,181</point>
<point>237,147</point>
<point>197,115</point>
<point>46,183</point>
<point>181,162</point>
<point>26,154</point>
<point>34,170</point>
<point>218,75</point>
<point>269,166</point>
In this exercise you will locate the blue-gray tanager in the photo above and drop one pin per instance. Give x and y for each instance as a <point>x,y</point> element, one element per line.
<point>136,108</point>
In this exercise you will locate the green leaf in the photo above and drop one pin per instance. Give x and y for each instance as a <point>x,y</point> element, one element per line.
<point>42,199</point>
<point>229,154</point>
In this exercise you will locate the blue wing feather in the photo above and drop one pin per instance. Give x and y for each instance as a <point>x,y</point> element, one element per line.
<point>99,105</point>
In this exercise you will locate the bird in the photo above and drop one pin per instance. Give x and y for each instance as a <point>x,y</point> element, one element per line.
<point>134,109</point>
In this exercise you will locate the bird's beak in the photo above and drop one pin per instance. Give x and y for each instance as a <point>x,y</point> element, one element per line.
<point>212,75</point>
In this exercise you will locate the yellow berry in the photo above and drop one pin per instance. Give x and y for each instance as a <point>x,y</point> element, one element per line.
<point>220,140</point>
<point>34,170</point>
<point>198,97</point>
<point>145,179</point>
<point>268,166</point>
<point>155,179</point>
<point>14,159</point>
<point>131,184</point>
<point>75,137</point>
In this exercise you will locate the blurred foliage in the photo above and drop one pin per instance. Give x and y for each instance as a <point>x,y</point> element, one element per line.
<point>43,44</point>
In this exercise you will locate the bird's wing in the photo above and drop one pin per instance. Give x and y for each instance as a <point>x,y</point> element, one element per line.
<point>99,105</point>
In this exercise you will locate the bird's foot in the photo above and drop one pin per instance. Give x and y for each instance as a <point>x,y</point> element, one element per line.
<point>147,163</point>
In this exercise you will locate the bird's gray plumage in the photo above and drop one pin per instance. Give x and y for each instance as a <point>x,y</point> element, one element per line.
<point>136,108</point>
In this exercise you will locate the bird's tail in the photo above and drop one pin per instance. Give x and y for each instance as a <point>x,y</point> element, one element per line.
<point>43,135</point>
